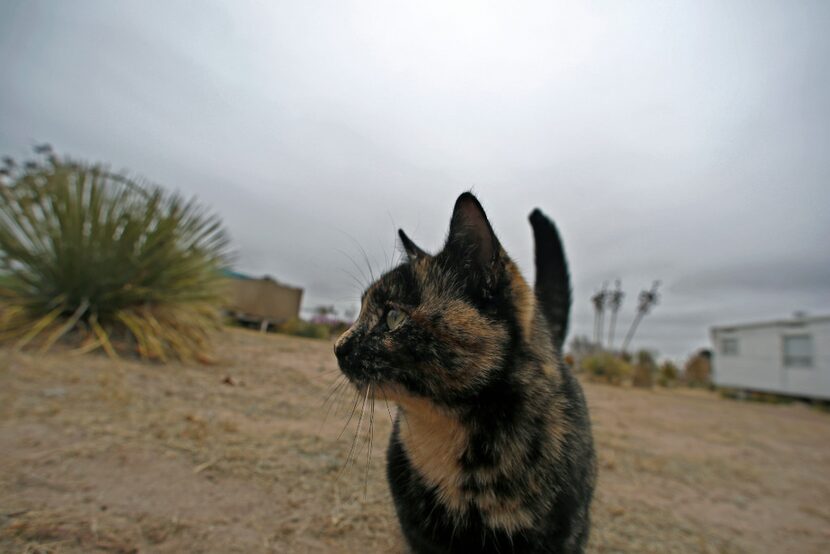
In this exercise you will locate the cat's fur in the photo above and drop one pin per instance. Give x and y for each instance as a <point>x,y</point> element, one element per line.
<point>491,449</point>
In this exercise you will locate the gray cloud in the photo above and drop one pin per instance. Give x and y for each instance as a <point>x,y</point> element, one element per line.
<point>778,277</point>
<point>684,141</point>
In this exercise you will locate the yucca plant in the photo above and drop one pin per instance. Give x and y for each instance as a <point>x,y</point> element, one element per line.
<point>113,262</point>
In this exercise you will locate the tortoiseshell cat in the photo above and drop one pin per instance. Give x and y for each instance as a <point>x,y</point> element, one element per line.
<point>491,449</point>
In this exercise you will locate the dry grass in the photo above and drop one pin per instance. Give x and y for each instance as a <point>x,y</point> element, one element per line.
<point>119,456</point>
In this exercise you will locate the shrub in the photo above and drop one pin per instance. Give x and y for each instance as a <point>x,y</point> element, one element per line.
<point>117,264</point>
<point>667,374</point>
<point>337,329</point>
<point>297,327</point>
<point>580,347</point>
<point>642,377</point>
<point>606,368</point>
<point>644,370</point>
<point>698,370</point>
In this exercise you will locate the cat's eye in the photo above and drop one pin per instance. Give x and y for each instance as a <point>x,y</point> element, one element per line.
<point>394,318</point>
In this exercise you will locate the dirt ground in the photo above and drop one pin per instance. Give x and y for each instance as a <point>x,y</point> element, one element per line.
<point>243,456</point>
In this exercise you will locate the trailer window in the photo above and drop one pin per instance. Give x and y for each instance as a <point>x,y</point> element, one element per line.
<point>729,346</point>
<point>798,351</point>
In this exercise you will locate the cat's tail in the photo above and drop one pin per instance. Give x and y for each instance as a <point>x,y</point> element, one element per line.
<point>553,282</point>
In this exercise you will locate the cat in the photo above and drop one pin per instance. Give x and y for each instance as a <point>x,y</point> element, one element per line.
<point>491,449</point>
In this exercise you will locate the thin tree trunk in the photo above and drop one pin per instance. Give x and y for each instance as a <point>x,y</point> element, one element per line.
<point>631,331</point>
<point>601,326</point>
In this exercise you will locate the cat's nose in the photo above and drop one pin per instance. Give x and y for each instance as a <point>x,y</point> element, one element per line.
<point>343,348</point>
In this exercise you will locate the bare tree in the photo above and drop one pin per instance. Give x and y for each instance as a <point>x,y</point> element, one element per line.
<point>647,300</point>
<point>599,309</point>
<point>325,311</point>
<point>615,299</point>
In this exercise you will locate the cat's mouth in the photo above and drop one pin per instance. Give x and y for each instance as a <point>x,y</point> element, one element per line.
<point>366,389</point>
<point>358,379</point>
<point>375,388</point>
<point>356,369</point>
<point>362,383</point>
<point>353,372</point>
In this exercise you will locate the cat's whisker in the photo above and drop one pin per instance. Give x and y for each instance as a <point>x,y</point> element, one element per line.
<point>330,388</point>
<point>349,458</point>
<point>338,381</point>
<point>385,257</point>
<point>371,437</point>
<point>338,376</point>
<point>331,372</point>
<point>365,258</point>
<point>357,267</point>
<point>331,399</point>
<point>398,255</point>
<point>363,253</point>
<point>354,407</point>
<point>405,422</point>
<point>354,278</point>
<point>386,402</point>
<point>341,399</point>
<point>349,298</point>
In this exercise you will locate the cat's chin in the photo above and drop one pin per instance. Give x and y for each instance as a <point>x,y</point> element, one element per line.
<point>389,392</point>
<point>392,392</point>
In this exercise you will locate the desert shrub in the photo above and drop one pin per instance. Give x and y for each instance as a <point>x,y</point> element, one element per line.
<point>646,359</point>
<point>299,328</point>
<point>821,405</point>
<point>606,368</point>
<point>579,348</point>
<point>114,263</point>
<point>338,328</point>
<point>644,369</point>
<point>698,370</point>
<point>642,377</point>
<point>667,374</point>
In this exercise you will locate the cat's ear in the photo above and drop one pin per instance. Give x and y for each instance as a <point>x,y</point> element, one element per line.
<point>471,236</point>
<point>413,252</point>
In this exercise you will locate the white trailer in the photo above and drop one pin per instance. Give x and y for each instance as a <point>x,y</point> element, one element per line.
<point>788,357</point>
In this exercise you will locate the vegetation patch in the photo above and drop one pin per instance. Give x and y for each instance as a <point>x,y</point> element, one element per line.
<point>668,374</point>
<point>698,370</point>
<point>299,328</point>
<point>607,368</point>
<point>106,261</point>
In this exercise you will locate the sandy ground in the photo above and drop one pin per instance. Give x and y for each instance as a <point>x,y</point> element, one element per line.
<point>242,457</point>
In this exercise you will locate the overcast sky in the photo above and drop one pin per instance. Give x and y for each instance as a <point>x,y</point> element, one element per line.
<point>681,141</point>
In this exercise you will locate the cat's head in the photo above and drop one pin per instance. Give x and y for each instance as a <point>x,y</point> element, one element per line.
<point>440,326</point>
